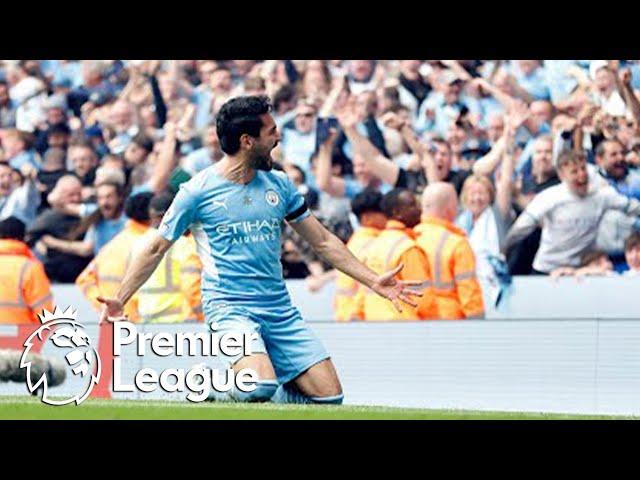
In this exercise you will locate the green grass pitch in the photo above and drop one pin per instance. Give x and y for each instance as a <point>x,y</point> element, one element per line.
<point>30,408</point>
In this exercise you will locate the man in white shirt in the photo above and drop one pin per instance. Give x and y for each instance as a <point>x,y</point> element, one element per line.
<point>569,214</point>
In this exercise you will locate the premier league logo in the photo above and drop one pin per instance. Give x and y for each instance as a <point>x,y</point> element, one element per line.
<point>70,337</point>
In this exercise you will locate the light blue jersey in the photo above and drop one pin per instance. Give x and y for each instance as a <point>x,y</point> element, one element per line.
<point>237,231</point>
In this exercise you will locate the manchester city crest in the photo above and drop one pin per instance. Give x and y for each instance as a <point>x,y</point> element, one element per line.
<point>272,198</point>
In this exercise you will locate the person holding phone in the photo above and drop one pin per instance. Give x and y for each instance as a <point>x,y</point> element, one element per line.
<point>324,126</point>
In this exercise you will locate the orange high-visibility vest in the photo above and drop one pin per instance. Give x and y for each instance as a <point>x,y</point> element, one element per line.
<point>172,292</point>
<point>348,301</point>
<point>395,245</point>
<point>104,274</point>
<point>24,287</point>
<point>453,265</point>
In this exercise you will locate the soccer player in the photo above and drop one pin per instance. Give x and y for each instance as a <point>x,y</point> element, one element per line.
<point>234,210</point>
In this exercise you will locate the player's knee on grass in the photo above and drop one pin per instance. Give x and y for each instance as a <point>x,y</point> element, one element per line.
<point>265,389</point>
<point>320,381</point>
<point>289,393</point>
<point>327,394</point>
<point>330,400</point>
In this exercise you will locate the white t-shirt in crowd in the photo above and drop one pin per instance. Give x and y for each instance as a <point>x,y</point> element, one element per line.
<point>569,222</point>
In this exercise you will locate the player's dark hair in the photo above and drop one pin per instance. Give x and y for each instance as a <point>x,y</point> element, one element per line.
<point>12,228</point>
<point>369,200</point>
<point>137,206</point>
<point>391,201</point>
<point>239,116</point>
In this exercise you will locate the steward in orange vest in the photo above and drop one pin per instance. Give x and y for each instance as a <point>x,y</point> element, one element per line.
<point>453,264</point>
<point>394,246</point>
<point>349,296</point>
<point>24,287</point>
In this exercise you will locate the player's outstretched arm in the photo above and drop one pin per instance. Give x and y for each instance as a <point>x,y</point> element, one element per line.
<point>332,250</point>
<point>139,270</point>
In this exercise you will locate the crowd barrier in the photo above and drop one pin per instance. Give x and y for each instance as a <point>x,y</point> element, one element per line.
<point>525,298</point>
<point>573,349</point>
<point>567,366</point>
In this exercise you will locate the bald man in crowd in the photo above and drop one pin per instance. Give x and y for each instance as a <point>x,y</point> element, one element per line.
<point>453,264</point>
<point>60,267</point>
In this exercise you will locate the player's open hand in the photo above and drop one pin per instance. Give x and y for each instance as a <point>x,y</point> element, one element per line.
<point>395,290</point>
<point>113,310</point>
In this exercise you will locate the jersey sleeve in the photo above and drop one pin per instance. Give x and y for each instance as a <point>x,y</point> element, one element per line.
<point>181,214</point>
<point>296,206</point>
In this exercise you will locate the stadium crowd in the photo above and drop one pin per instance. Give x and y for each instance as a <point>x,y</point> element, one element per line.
<point>543,157</point>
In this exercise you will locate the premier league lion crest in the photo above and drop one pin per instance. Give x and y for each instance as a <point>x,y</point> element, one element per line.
<point>68,335</point>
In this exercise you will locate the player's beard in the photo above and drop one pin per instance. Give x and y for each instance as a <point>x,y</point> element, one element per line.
<point>261,161</point>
